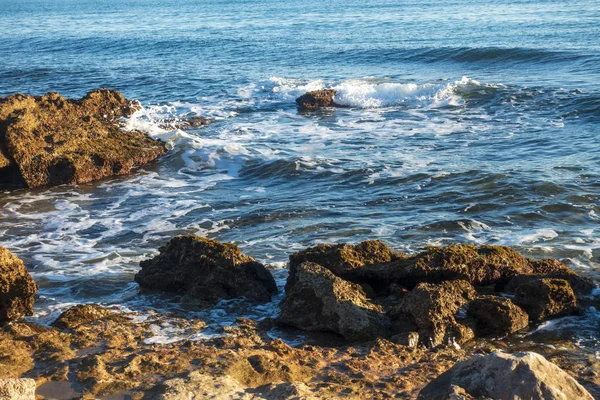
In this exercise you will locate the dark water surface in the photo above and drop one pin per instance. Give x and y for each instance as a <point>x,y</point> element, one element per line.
<point>470,121</point>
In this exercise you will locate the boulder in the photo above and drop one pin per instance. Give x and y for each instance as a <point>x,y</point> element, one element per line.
<point>206,271</point>
<point>17,389</point>
<point>51,140</point>
<point>495,315</point>
<point>316,99</point>
<point>346,260</point>
<point>432,308</point>
<point>503,376</point>
<point>546,298</point>
<point>581,286</point>
<point>317,300</point>
<point>17,287</point>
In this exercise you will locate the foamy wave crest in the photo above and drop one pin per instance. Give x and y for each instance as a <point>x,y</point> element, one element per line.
<point>374,93</point>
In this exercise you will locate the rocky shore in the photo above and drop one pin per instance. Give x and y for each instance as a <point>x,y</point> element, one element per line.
<point>444,323</point>
<point>384,325</point>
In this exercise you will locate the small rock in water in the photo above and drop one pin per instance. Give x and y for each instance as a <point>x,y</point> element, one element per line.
<point>17,287</point>
<point>316,99</point>
<point>503,376</point>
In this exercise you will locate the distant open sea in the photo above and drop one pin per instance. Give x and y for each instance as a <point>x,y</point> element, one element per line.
<point>467,121</point>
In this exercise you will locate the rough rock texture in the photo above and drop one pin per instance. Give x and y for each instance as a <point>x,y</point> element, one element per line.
<point>317,300</point>
<point>17,389</point>
<point>496,315</point>
<point>546,298</point>
<point>50,140</point>
<point>483,265</point>
<point>82,314</point>
<point>183,124</point>
<point>504,376</point>
<point>345,260</point>
<point>17,287</point>
<point>432,308</point>
<point>581,286</point>
<point>206,271</point>
<point>316,99</point>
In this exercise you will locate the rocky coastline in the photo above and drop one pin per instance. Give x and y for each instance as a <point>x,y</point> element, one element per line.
<point>443,323</point>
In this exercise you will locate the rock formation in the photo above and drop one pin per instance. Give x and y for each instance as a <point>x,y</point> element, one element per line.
<point>206,271</point>
<point>503,376</point>
<point>17,287</point>
<point>316,99</point>
<point>49,140</point>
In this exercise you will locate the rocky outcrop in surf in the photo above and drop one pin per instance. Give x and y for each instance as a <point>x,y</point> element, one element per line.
<point>311,101</point>
<point>443,295</point>
<point>50,140</point>
<point>206,271</point>
<point>505,376</point>
<point>17,288</point>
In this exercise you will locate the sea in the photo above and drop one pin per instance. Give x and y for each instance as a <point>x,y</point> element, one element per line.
<point>464,121</point>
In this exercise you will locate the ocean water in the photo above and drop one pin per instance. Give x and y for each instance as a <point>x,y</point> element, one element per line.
<point>467,121</point>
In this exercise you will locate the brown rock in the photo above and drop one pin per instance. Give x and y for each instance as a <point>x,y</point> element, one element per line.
<point>432,308</point>
<point>206,271</point>
<point>316,99</point>
<point>496,315</point>
<point>317,300</point>
<point>546,298</point>
<point>17,287</point>
<point>83,314</point>
<point>504,376</point>
<point>50,140</point>
<point>581,286</point>
<point>17,389</point>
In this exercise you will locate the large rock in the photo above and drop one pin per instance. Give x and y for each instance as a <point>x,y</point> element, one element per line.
<point>50,140</point>
<point>316,99</point>
<point>317,300</point>
<point>497,315</point>
<point>546,298</point>
<point>581,286</point>
<point>17,389</point>
<point>502,376</point>
<point>17,287</point>
<point>206,271</point>
<point>432,308</point>
<point>346,260</point>
<point>84,314</point>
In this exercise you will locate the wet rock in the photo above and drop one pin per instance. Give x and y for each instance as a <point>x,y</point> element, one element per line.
<point>50,140</point>
<point>481,266</point>
<point>317,300</point>
<point>581,286</point>
<point>17,389</point>
<point>316,99</point>
<point>432,308</point>
<point>17,287</point>
<point>206,271</point>
<point>83,314</point>
<point>496,315</point>
<point>348,261</point>
<point>504,376</point>
<point>546,298</point>
<point>408,339</point>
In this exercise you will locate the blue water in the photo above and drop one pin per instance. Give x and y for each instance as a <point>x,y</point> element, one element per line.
<point>470,121</point>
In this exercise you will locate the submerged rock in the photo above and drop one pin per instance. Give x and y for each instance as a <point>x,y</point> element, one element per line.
<point>431,307</point>
<point>317,300</point>
<point>83,314</point>
<point>183,124</point>
<point>51,140</point>
<point>17,389</point>
<point>206,271</point>
<point>546,298</point>
<point>496,315</point>
<point>504,376</point>
<point>316,99</point>
<point>17,287</point>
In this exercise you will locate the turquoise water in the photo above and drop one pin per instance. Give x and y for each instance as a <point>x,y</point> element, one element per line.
<point>469,121</point>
